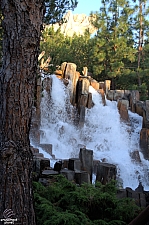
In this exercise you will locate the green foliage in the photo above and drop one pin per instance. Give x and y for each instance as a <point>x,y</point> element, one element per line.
<point>65,203</point>
<point>55,10</point>
<point>119,51</point>
<point>76,49</point>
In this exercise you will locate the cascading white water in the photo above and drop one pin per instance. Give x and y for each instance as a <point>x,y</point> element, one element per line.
<point>110,139</point>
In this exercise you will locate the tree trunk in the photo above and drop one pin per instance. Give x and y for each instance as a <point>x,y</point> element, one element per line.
<point>22,26</point>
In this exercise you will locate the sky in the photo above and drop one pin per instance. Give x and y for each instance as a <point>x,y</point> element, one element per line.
<point>86,6</point>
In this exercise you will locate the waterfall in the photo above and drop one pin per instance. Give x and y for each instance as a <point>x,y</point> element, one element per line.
<point>111,140</point>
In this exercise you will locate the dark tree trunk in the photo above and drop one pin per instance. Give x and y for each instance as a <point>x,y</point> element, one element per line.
<point>22,25</point>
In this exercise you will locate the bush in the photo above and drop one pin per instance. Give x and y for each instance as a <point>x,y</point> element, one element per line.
<point>64,203</point>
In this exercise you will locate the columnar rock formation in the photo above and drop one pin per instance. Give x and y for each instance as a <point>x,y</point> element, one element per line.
<point>82,99</point>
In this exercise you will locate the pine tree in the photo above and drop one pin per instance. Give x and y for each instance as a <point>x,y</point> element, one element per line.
<point>114,41</point>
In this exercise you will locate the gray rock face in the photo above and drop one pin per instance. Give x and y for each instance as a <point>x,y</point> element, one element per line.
<point>77,23</point>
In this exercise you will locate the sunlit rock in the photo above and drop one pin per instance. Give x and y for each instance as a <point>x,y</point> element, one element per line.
<point>101,91</point>
<point>74,24</point>
<point>107,85</point>
<point>134,97</point>
<point>72,76</point>
<point>140,108</point>
<point>123,109</point>
<point>94,84</point>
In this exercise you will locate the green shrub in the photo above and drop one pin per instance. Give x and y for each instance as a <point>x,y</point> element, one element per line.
<point>64,203</point>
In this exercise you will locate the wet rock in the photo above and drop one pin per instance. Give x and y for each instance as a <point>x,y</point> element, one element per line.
<point>37,161</point>
<point>89,101</point>
<point>135,156</point>
<point>107,85</point>
<point>74,164</point>
<point>34,150</point>
<point>144,142</point>
<point>71,74</point>
<point>58,166</point>
<point>95,166</point>
<point>44,163</point>
<point>118,94</point>
<point>65,163</point>
<point>101,91</point>
<point>123,109</point>
<point>86,158</point>
<point>134,97</point>
<point>106,172</point>
<point>140,108</point>
<point>69,174</point>
<point>146,115</point>
<point>95,84</point>
<point>48,173</point>
<point>82,177</point>
<point>47,148</point>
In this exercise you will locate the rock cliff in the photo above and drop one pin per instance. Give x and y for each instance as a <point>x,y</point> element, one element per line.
<point>76,23</point>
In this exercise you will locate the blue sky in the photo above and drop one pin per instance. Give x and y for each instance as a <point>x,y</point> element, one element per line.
<point>86,6</point>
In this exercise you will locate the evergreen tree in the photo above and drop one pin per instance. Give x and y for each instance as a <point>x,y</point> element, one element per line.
<point>140,27</point>
<point>55,9</point>
<point>114,40</point>
<point>80,51</point>
<point>76,49</point>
